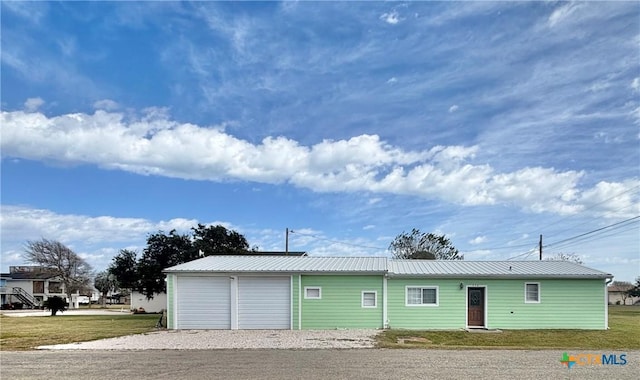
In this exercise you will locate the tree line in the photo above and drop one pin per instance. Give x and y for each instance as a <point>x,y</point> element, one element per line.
<point>143,273</point>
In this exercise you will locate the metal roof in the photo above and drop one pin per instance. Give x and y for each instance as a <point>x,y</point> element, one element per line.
<point>283,264</point>
<point>504,269</point>
<point>392,267</point>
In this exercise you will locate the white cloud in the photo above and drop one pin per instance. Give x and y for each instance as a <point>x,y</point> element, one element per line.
<point>96,238</point>
<point>31,11</point>
<point>635,114</point>
<point>562,13</point>
<point>392,80</point>
<point>369,227</point>
<point>453,108</point>
<point>478,240</point>
<point>106,104</point>
<point>391,17</point>
<point>20,223</point>
<point>613,200</point>
<point>154,144</point>
<point>635,85</point>
<point>32,104</point>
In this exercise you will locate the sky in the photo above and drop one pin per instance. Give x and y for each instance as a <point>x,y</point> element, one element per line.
<point>347,122</point>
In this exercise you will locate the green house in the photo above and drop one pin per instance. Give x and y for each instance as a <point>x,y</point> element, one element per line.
<point>284,292</point>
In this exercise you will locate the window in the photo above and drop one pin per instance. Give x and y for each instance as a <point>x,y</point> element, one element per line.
<point>38,287</point>
<point>55,287</point>
<point>369,298</point>
<point>422,296</point>
<point>312,293</point>
<point>532,292</point>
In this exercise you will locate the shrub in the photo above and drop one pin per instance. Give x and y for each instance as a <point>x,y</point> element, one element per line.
<point>55,304</point>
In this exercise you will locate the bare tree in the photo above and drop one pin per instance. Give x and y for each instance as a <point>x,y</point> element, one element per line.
<point>423,246</point>
<point>623,288</point>
<point>572,257</point>
<point>59,260</point>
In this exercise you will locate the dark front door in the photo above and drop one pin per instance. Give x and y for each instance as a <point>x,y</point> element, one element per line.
<point>475,307</point>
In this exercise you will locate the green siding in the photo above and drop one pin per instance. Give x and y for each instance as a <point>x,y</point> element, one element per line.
<point>564,303</point>
<point>170,309</point>
<point>341,305</point>
<point>449,314</point>
<point>294,302</point>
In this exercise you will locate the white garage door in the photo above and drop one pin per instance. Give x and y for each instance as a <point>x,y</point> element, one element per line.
<point>264,303</point>
<point>203,303</point>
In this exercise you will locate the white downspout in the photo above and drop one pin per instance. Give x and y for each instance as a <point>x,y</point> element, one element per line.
<point>385,315</point>
<point>606,302</point>
<point>299,302</point>
<point>234,302</point>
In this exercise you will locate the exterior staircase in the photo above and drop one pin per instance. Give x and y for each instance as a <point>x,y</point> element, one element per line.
<point>24,297</point>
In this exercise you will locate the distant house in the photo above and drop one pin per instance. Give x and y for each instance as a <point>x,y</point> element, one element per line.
<point>617,296</point>
<point>28,286</point>
<point>280,292</point>
<point>154,305</point>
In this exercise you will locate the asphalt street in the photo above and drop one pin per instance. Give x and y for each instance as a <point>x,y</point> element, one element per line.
<point>307,364</point>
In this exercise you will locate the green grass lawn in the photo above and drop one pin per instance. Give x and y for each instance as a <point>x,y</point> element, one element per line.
<point>624,333</point>
<point>25,333</point>
<point>107,306</point>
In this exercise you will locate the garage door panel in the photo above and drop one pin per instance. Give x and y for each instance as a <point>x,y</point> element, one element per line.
<point>203,303</point>
<point>264,303</point>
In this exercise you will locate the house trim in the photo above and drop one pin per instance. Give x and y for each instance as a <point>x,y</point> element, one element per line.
<point>375,299</point>
<point>319,288</point>
<point>234,301</point>
<point>299,302</point>
<point>539,292</point>
<point>486,306</point>
<point>385,311</point>
<point>421,287</point>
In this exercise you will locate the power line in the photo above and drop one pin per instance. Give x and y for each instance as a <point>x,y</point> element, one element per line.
<point>498,248</point>
<point>592,232</point>
<point>592,207</point>
<point>588,221</point>
<point>560,220</point>
<point>600,235</point>
<point>527,253</point>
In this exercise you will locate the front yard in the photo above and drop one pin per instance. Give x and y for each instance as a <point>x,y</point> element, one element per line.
<point>25,333</point>
<point>623,334</point>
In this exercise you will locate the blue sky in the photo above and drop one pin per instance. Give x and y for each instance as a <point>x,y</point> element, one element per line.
<point>346,122</point>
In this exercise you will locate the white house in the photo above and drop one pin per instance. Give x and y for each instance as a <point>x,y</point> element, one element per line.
<point>154,305</point>
<point>28,286</point>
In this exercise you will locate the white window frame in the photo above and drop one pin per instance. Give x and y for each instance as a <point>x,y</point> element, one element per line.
<point>526,299</point>
<point>421,287</point>
<point>375,299</point>
<point>307,288</point>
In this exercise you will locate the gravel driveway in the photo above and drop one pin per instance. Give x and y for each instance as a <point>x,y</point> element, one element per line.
<point>229,339</point>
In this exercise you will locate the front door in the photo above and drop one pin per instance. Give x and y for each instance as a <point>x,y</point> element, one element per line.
<point>475,307</point>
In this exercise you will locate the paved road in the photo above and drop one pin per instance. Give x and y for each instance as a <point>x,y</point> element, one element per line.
<point>307,364</point>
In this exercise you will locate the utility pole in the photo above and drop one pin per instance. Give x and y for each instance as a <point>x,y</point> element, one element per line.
<point>540,247</point>
<point>286,242</point>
